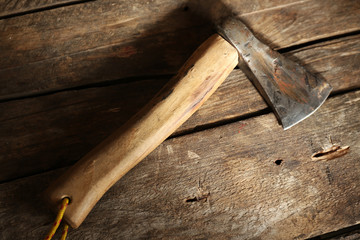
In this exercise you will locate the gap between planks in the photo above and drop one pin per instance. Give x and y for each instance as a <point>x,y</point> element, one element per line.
<point>291,49</point>
<point>43,6</point>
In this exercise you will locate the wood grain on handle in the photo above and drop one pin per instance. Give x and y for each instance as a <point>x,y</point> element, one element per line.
<point>87,181</point>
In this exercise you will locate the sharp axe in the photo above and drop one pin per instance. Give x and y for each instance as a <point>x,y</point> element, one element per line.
<point>289,89</point>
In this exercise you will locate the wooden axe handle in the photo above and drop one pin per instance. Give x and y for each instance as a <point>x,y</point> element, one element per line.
<point>87,181</point>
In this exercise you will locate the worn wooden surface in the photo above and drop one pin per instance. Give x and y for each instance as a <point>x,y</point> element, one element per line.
<point>65,86</point>
<point>9,8</point>
<point>71,123</point>
<point>62,52</point>
<point>242,193</point>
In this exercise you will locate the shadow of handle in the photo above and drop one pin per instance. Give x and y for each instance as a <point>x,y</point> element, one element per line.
<point>87,181</point>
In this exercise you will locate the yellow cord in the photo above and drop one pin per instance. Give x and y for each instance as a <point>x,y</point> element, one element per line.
<point>64,204</point>
<point>65,231</point>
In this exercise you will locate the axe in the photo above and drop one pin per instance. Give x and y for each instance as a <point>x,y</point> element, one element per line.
<point>289,89</point>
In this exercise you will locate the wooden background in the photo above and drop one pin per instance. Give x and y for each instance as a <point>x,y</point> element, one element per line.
<point>71,72</point>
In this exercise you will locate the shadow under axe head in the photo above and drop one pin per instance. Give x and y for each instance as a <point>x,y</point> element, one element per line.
<point>292,92</point>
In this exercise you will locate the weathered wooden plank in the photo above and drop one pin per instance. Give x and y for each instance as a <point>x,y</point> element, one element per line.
<point>222,183</point>
<point>13,7</point>
<point>118,23</point>
<point>102,41</point>
<point>55,130</point>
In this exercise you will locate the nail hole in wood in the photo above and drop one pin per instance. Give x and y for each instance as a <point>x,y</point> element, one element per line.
<point>186,8</point>
<point>278,162</point>
<point>194,199</point>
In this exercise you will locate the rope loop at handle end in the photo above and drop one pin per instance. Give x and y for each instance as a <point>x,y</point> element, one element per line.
<point>64,203</point>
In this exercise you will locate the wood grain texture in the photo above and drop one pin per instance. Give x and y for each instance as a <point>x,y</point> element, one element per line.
<point>103,41</point>
<point>56,130</point>
<point>236,191</point>
<point>13,7</point>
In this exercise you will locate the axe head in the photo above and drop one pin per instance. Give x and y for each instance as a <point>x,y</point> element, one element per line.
<point>292,91</point>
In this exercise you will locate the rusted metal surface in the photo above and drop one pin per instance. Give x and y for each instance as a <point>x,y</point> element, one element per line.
<point>292,91</point>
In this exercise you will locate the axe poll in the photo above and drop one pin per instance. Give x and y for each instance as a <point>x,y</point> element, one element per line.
<point>289,89</point>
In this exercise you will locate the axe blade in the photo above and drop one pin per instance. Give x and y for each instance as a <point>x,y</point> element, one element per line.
<point>292,91</point>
